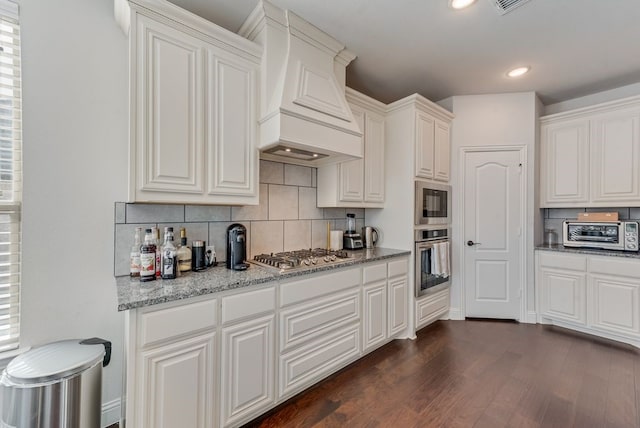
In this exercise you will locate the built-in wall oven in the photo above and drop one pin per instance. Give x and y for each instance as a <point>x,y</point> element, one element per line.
<point>433,255</point>
<point>433,203</point>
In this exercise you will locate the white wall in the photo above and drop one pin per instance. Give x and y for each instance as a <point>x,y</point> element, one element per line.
<point>490,120</point>
<point>75,62</point>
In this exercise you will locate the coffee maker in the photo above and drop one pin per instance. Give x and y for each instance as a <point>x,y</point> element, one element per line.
<point>351,240</point>
<point>236,247</point>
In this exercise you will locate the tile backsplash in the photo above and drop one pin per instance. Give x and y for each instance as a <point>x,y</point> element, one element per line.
<point>553,217</point>
<point>286,219</point>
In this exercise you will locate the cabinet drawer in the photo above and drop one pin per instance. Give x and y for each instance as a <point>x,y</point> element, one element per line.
<point>248,305</point>
<point>318,285</point>
<point>374,273</point>
<point>300,324</point>
<point>168,323</point>
<point>432,307</point>
<point>302,367</point>
<point>615,266</point>
<point>554,259</point>
<point>398,267</point>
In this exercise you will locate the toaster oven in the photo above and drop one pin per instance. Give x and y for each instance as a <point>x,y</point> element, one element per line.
<point>616,235</point>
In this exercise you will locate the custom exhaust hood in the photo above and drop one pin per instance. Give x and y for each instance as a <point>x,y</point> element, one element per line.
<point>304,115</point>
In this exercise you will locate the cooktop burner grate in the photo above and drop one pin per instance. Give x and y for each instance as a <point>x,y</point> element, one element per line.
<point>300,259</point>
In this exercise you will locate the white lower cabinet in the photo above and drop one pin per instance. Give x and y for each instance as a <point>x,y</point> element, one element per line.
<point>431,307</point>
<point>398,297</point>
<point>247,355</point>
<point>225,359</point>
<point>594,294</point>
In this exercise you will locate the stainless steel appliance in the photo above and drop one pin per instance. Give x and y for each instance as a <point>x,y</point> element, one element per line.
<point>301,259</point>
<point>615,235</point>
<point>370,236</point>
<point>55,385</point>
<point>433,265</point>
<point>236,247</point>
<point>351,239</point>
<point>432,203</point>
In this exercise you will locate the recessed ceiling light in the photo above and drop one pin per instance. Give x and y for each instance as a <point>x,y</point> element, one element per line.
<point>287,149</point>
<point>519,71</point>
<point>460,4</point>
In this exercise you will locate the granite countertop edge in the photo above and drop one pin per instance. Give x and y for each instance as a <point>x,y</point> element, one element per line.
<point>133,294</point>
<point>589,251</point>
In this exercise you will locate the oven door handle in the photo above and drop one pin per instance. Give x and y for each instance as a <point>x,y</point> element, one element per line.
<point>470,243</point>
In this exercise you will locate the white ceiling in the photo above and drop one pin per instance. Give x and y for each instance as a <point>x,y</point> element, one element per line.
<point>575,47</point>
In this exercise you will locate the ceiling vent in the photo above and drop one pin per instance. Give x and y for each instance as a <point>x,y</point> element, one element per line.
<point>506,6</point>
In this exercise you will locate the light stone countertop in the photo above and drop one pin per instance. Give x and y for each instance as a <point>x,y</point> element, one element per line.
<point>135,294</point>
<point>589,251</point>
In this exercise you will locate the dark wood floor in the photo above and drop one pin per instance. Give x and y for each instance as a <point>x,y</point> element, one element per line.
<point>477,374</point>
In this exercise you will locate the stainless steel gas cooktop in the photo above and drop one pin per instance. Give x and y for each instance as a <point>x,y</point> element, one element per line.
<point>301,259</point>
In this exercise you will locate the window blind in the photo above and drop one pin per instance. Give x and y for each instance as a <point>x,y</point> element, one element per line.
<point>10,175</point>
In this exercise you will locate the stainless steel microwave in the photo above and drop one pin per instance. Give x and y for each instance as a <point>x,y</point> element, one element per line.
<point>433,203</point>
<point>616,235</point>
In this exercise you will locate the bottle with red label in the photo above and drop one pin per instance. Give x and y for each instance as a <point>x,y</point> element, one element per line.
<point>148,257</point>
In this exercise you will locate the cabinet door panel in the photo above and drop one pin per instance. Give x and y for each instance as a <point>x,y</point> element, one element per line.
<point>232,124</point>
<point>247,370</point>
<point>442,152</point>
<point>374,329</point>
<point>563,295</point>
<point>374,158</point>
<point>565,163</point>
<point>425,143</point>
<point>398,305</point>
<point>431,308</point>
<point>352,172</point>
<point>178,381</point>
<point>169,112</point>
<point>615,305</point>
<point>615,156</point>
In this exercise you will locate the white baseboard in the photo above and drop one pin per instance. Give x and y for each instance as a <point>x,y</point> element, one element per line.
<point>532,317</point>
<point>110,413</point>
<point>455,314</point>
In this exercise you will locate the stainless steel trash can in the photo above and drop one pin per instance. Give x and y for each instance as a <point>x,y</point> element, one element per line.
<point>57,385</point>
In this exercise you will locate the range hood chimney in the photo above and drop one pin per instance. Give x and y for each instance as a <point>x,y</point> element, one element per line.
<point>304,115</point>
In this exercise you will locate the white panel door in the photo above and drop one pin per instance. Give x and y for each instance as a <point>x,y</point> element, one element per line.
<point>374,158</point>
<point>178,381</point>
<point>492,233</point>
<point>615,304</point>
<point>442,149</point>
<point>351,184</point>
<point>615,158</point>
<point>169,142</point>
<point>232,126</point>
<point>564,173</point>
<point>248,370</point>
<point>425,143</point>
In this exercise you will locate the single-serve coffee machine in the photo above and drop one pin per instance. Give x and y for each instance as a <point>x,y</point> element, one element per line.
<point>352,240</point>
<point>236,247</point>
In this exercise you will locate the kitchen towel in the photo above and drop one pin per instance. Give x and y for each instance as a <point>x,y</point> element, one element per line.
<point>440,259</point>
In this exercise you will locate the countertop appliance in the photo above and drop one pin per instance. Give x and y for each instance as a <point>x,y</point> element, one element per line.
<point>615,235</point>
<point>236,247</point>
<point>433,266</point>
<point>432,203</point>
<point>301,259</point>
<point>351,239</point>
<point>370,236</point>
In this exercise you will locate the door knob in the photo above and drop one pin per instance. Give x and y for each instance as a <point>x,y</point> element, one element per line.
<point>471,243</point>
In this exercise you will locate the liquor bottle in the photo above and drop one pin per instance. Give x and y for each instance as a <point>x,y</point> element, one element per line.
<point>156,234</point>
<point>184,252</point>
<point>148,257</point>
<point>134,270</point>
<point>169,256</point>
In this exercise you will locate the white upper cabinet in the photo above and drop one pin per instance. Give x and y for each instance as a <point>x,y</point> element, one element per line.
<point>564,169</point>
<point>442,151</point>
<point>193,108</point>
<point>358,183</point>
<point>425,144</point>
<point>590,157</point>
